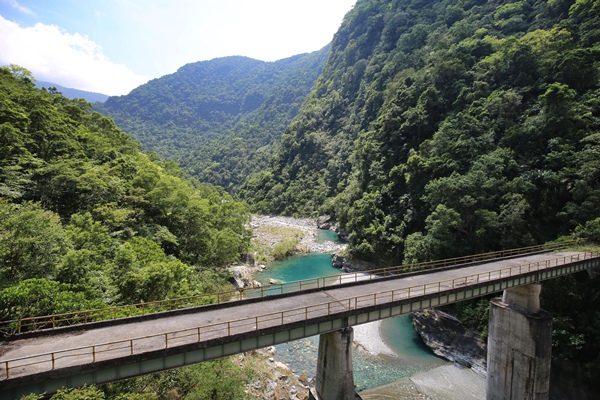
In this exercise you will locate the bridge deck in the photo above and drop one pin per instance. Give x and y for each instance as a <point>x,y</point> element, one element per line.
<point>89,345</point>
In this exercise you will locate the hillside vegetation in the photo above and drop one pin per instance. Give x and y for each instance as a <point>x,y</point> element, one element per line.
<point>218,119</point>
<point>88,220</point>
<point>442,128</point>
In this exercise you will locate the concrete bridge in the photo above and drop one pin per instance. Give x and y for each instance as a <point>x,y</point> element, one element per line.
<point>100,352</point>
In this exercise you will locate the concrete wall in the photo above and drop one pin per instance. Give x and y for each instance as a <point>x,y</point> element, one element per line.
<point>519,346</point>
<point>335,377</point>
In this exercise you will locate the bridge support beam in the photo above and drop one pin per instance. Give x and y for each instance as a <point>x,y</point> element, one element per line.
<point>519,346</point>
<point>335,377</point>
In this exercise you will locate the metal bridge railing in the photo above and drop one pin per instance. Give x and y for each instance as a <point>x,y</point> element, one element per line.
<point>128,347</point>
<point>29,324</point>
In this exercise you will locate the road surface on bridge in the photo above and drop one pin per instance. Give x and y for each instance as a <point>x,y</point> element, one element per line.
<point>56,350</point>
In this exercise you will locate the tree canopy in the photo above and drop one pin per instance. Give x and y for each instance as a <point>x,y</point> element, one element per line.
<point>88,220</point>
<point>440,128</point>
<point>219,119</point>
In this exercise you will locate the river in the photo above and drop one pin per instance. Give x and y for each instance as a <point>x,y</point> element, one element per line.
<point>389,359</point>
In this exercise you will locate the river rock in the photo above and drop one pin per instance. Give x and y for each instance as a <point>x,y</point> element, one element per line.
<point>324,222</point>
<point>248,259</point>
<point>448,338</point>
<point>337,261</point>
<point>351,265</point>
<point>343,235</point>
<point>241,276</point>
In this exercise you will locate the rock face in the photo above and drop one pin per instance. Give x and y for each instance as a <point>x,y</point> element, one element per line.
<point>343,235</point>
<point>241,276</point>
<point>324,222</point>
<point>448,338</point>
<point>348,265</point>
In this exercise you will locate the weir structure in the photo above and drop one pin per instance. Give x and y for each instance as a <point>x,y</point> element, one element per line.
<point>103,351</point>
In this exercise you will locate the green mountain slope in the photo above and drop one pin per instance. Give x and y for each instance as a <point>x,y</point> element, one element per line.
<point>87,219</point>
<point>441,128</point>
<point>218,119</point>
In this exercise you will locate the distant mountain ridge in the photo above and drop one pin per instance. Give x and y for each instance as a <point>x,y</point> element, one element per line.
<point>71,93</point>
<point>219,119</point>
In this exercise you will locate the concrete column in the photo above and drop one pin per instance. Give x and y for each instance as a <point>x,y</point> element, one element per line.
<point>519,346</point>
<point>335,377</point>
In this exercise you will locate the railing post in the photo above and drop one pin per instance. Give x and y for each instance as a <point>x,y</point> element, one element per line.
<point>166,342</point>
<point>198,334</point>
<point>53,360</point>
<point>19,326</point>
<point>53,326</point>
<point>7,371</point>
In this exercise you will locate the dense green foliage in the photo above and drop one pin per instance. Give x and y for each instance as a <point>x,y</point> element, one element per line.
<point>440,128</point>
<point>88,220</point>
<point>218,119</point>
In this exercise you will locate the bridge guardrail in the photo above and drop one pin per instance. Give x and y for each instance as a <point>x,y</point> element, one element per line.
<point>30,324</point>
<point>206,332</point>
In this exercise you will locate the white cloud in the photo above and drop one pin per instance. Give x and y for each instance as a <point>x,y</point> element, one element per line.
<point>70,60</point>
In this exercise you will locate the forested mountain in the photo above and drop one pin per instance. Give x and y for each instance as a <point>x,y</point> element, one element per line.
<point>87,220</point>
<point>218,119</point>
<point>440,128</point>
<point>71,93</point>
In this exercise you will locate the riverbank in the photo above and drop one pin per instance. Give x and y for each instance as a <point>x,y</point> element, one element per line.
<point>448,382</point>
<point>269,231</point>
<point>368,338</point>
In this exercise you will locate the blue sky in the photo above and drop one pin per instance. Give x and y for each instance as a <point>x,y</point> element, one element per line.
<point>113,46</point>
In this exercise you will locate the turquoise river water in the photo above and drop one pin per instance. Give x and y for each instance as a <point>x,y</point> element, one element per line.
<point>411,356</point>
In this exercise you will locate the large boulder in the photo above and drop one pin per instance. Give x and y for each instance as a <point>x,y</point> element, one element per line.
<point>241,276</point>
<point>324,222</point>
<point>343,235</point>
<point>249,259</point>
<point>350,265</point>
<point>448,338</point>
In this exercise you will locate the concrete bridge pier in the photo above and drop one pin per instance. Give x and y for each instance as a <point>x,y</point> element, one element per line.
<point>519,346</point>
<point>335,377</point>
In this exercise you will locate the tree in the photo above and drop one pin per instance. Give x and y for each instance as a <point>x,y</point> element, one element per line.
<point>32,241</point>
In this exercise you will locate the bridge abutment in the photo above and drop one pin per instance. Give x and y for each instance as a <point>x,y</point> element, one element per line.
<point>519,346</point>
<point>335,377</point>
